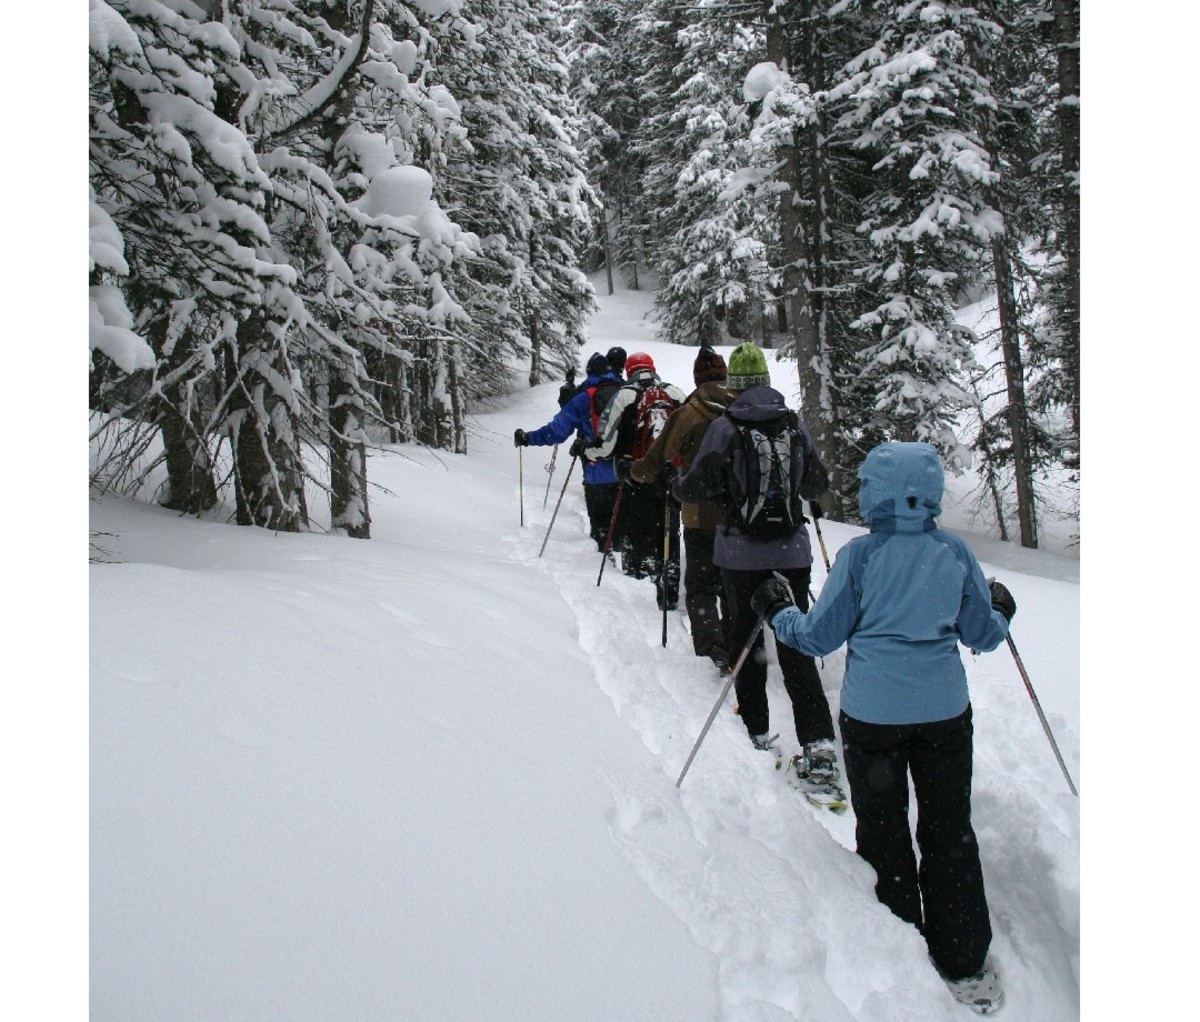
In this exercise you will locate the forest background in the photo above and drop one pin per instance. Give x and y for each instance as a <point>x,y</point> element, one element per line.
<point>1140,227</point>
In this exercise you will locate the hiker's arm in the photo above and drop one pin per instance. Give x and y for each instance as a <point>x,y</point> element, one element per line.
<point>610,424</point>
<point>814,479</point>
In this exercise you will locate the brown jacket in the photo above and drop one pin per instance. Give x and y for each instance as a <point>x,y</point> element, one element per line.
<point>678,443</point>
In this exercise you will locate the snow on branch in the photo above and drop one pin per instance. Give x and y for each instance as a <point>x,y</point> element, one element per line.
<point>317,99</point>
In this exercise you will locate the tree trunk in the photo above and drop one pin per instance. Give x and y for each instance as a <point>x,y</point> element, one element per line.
<point>402,375</point>
<point>190,484</point>
<point>535,351</point>
<point>819,407</point>
<point>349,506</point>
<point>457,405</point>
<point>607,251</point>
<point>440,405</point>
<point>535,335</point>
<point>989,467</point>
<point>1014,374</point>
<point>268,477</point>
<point>1066,25</point>
<point>796,263</point>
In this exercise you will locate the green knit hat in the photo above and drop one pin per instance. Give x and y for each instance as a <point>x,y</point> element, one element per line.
<point>747,368</point>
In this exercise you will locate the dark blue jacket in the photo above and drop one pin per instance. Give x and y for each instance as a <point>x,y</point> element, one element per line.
<point>903,596</point>
<point>576,417</point>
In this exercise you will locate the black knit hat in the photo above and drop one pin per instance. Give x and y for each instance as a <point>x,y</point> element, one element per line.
<point>616,359</point>
<point>597,365</point>
<point>709,366</point>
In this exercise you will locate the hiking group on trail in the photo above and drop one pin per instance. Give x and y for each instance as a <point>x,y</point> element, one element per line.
<point>735,464</point>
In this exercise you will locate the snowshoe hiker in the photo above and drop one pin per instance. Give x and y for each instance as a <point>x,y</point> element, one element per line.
<point>616,360</point>
<point>903,597</point>
<point>704,596</point>
<point>581,415</point>
<point>723,471</point>
<point>628,428</point>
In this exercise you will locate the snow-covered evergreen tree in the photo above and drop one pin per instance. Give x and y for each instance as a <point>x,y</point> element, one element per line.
<point>915,105</point>
<point>267,159</point>
<point>187,196</point>
<point>712,195</point>
<point>608,56</point>
<point>521,188</point>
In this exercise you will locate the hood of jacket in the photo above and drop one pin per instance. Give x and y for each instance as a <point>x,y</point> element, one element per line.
<point>758,404</point>
<point>710,399</point>
<point>902,486</point>
<point>643,378</point>
<point>608,376</point>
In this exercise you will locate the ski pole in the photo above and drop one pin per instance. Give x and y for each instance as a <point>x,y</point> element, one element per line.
<point>816,512</point>
<point>550,469</point>
<point>662,574</point>
<point>612,524</point>
<point>570,469</point>
<point>521,482</point>
<point>1041,716</point>
<point>721,698</point>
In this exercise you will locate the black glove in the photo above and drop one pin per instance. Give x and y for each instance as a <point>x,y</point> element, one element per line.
<point>1002,600</point>
<point>814,509</point>
<point>520,438</point>
<point>771,597</point>
<point>624,469</point>
<point>579,447</point>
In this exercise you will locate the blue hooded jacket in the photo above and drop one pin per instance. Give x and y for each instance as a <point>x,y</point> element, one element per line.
<point>576,415</point>
<point>903,597</point>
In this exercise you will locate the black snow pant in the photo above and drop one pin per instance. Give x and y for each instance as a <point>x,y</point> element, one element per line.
<point>944,896</point>
<point>600,498</point>
<point>810,708</point>
<point>704,594</point>
<point>651,513</point>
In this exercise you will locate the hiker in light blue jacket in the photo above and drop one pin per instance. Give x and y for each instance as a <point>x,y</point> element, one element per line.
<point>904,597</point>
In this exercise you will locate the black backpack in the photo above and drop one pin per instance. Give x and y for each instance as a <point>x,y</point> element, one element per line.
<point>768,506</point>
<point>599,398</point>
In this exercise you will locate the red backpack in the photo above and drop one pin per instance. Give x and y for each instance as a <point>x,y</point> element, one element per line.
<point>645,419</point>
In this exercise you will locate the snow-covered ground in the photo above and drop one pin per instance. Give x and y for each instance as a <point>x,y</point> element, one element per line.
<point>431,776</point>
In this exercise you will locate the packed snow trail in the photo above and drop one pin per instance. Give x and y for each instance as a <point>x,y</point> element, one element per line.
<point>772,886</point>
<point>780,876</point>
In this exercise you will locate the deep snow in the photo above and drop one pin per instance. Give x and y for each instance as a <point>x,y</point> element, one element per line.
<point>431,776</point>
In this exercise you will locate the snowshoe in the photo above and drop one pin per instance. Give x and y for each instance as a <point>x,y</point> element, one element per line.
<point>768,743</point>
<point>814,774</point>
<point>982,993</point>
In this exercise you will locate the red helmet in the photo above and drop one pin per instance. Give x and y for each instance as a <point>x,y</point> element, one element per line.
<point>638,361</point>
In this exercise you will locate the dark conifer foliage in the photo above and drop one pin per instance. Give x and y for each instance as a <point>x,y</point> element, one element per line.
<point>319,227</point>
<point>836,179</point>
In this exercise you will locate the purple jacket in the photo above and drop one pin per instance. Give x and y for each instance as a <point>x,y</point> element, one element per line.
<point>720,456</point>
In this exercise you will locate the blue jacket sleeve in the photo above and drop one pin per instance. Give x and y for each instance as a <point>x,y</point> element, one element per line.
<point>573,415</point>
<point>980,626</point>
<point>832,618</point>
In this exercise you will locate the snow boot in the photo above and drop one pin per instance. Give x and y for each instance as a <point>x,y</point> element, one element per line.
<point>982,993</point>
<point>720,660</point>
<point>768,743</point>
